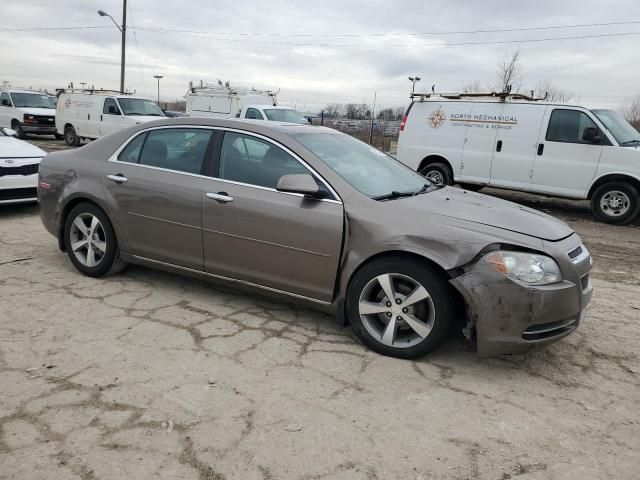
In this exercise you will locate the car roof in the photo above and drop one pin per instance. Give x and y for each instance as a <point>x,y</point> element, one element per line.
<point>255,126</point>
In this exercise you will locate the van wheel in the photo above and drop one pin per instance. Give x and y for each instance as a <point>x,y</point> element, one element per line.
<point>615,202</point>
<point>17,126</point>
<point>398,307</point>
<point>437,173</point>
<point>71,137</point>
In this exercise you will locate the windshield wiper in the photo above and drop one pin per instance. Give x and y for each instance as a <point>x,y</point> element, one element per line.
<point>629,142</point>
<point>393,195</point>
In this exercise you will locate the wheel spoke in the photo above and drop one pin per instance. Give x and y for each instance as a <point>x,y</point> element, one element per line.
<point>75,246</point>
<point>417,325</point>
<point>370,308</point>
<point>94,223</point>
<point>386,282</point>
<point>419,293</point>
<point>91,257</point>
<point>389,335</point>
<point>100,245</point>
<point>82,228</point>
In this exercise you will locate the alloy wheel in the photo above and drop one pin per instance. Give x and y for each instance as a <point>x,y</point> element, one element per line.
<point>88,240</point>
<point>396,310</point>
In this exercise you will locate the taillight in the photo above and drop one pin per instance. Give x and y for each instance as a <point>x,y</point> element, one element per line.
<point>403,122</point>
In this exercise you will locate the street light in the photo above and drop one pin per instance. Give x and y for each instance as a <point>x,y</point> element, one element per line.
<point>413,81</point>
<point>123,31</point>
<point>158,77</point>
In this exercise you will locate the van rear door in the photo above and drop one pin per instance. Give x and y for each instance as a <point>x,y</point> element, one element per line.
<point>515,148</point>
<point>480,141</point>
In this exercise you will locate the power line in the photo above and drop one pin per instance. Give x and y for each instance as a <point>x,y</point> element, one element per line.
<point>40,29</point>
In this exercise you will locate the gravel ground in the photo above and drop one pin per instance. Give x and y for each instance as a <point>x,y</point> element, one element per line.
<point>151,375</point>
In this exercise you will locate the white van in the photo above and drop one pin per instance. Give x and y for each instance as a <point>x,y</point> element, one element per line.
<point>515,142</point>
<point>27,111</point>
<point>223,101</point>
<point>90,114</point>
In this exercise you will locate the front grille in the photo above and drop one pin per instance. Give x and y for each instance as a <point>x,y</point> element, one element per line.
<point>542,331</point>
<point>21,170</point>
<point>42,120</point>
<point>18,193</point>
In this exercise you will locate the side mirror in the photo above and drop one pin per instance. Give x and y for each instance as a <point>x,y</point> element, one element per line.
<point>113,110</point>
<point>6,103</point>
<point>299,183</point>
<point>10,132</point>
<point>590,134</point>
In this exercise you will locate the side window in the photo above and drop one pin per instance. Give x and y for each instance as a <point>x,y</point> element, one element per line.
<point>254,114</point>
<point>110,107</point>
<point>254,161</point>
<point>568,126</point>
<point>5,100</point>
<point>131,152</point>
<point>180,149</point>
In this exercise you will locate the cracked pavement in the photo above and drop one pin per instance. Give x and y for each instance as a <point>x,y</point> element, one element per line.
<point>151,375</point>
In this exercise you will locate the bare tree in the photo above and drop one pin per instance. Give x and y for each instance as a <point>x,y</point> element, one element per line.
<point>333,110</point>
<point>554,93</point>
<point>631,112</point>
<point>509,73</point>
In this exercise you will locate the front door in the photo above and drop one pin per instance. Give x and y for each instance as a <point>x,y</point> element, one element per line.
<point>154,189</point>
<point>516,144</point>
<point>480,141</point>
<point>6,110</point>
<point>565,163</point>
<point>254,233</point>
<point>111,119</point>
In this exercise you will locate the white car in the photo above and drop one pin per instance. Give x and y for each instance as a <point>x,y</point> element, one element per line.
<point>19,163</point>
<point>28,112</point>
<point>273,113</point>
<point>91,114</point>
<point>516,143</point>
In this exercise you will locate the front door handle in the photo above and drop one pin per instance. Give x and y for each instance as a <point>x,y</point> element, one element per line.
<point>499,146</point>
<point>221,197</point>
<point>540,148</point>
<point>119,178</point>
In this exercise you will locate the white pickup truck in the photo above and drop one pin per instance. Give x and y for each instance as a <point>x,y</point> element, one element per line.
<point>272,113</point>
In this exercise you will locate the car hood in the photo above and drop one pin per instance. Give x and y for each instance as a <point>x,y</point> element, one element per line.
<point>485,210</point>
<point>11,147</point>
<point>51,112</point>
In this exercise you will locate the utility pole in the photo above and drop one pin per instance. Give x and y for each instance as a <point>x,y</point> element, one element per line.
<point>158,77</point>
<point>373,115</point>
<point>123,31</point>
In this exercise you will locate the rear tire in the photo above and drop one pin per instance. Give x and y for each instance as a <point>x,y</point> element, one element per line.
<point>616,202</point>
<point>437,173</point>
<point>71,137</point>
<point>91,242</point>
<point>17,126</point>
<point>411,324</point>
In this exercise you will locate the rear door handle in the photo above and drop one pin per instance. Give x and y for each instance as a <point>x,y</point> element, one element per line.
<point>119,178</point>
<point>499,146</point>
<point>221,197</point>
<point>540,148</point>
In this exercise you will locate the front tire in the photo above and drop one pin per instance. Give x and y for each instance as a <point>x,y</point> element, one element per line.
<point>17,126</point>
<point>91,242</point>
<point>437,173</point>
<point>615,202</point>
<point>71,137</point>
<point>399,307</point>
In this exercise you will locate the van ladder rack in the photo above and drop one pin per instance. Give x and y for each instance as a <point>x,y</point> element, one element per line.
<point>457,96</point>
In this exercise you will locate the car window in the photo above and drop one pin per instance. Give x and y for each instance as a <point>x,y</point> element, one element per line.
<point>108,103</point>
<point>4,99</point>
<point>254,114</point>
<point>131,153</point>
<point>180,149</point>
<point>568,126</point>
<point>254,161</point>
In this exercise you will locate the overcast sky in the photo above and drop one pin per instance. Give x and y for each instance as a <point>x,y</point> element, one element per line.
<point>289,46</point>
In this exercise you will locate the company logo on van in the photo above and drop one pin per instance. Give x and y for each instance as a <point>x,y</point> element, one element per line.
<point>437,118</point>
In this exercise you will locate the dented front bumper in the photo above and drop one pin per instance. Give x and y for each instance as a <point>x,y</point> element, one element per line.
<point>511,317</point>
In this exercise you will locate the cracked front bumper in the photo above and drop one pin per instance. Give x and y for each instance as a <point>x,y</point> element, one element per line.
<point>511,317</point>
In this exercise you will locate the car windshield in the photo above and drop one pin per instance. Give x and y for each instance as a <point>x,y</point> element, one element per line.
<point>32,100</point>
<point>368,170</point>
<point>139,106</point>
<point>284,115</point>
<point>622,131</point>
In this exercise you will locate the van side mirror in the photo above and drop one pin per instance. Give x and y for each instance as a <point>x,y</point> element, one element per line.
<point>6,102</point>
<point>299,183</point>
<point>590,134</point>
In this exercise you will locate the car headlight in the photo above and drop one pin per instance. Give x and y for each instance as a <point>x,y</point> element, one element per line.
<point>529,268</point>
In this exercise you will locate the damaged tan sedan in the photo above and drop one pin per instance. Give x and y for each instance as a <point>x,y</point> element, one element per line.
<point>314,215</point>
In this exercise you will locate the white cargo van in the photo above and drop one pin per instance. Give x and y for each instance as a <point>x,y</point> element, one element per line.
<point>224,101</point>
<point>27,111</point>
<point>520,143</point>
<point>90,114</point>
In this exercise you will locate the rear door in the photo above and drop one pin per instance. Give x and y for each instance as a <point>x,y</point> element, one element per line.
<point>565,164</point>
<point>253,233</point>
<point>482,130</point>
<point>516,144</point>
<point>154,188</point>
